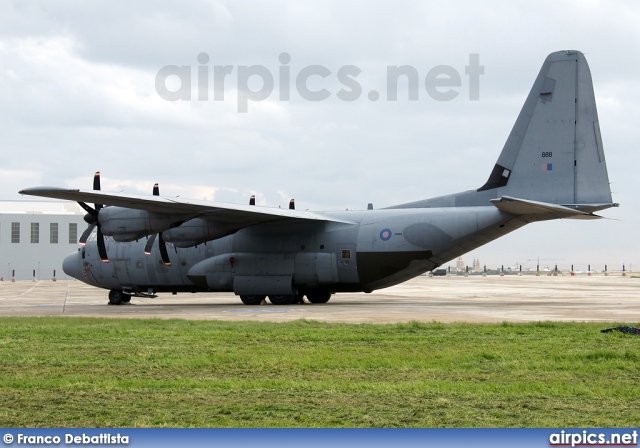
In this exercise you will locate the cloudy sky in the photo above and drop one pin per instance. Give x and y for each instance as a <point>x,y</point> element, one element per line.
<point>78,94</point>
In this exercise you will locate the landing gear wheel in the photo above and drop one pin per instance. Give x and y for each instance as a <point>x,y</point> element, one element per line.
<point>252,300</point>
<point>318,297</point>
<point>126,298</point>
<point>116,297</point>
<point>281,300</point>
<point>298,298</point>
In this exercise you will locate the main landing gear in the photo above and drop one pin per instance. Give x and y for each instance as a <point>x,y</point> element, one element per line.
<point>118,297</point>
<point>313,297</point>
<point>318,297</point>
<point>252,300</point>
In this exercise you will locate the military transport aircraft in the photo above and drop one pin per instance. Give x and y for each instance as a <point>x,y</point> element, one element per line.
<point>552,166</point>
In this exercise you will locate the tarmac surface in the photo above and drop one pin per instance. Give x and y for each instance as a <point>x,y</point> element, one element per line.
<point>510,298</point>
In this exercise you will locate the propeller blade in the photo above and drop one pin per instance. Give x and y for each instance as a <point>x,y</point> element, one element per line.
<point>163,250</point>
<point>96,186</point>
<point>88,209</point>
<point>149,245</point>
<point>252,200</point>
<point>85,234</point>
<point>161,244</point>
<point>102,249</point>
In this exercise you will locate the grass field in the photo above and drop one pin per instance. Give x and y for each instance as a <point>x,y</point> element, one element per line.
<point>80,372</point>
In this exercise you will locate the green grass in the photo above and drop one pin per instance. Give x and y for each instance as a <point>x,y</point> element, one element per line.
<point>77,372</point>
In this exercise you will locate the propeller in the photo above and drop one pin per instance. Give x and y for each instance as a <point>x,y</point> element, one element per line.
<point>292,204</point>
<point>162,245</point>
<point>91,218</point>
<point>252,200</point>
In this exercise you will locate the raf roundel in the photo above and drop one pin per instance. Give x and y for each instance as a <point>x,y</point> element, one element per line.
<point>385,235</point>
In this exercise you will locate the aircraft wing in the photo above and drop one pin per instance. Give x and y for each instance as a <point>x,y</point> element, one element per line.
<point>237,214</point>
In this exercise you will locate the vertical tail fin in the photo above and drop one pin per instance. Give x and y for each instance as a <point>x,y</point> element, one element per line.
<point>554,153</point>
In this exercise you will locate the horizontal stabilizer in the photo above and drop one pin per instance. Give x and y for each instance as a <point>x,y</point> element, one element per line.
<point>539,210</point>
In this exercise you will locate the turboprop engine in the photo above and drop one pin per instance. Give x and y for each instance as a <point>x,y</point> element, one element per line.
<point>126,224</point>
<point>196,231</point>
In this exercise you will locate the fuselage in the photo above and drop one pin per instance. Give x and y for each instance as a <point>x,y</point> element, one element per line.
<point>368,250</point>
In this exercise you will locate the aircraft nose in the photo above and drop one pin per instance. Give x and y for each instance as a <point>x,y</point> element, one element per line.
<point>71,265</point>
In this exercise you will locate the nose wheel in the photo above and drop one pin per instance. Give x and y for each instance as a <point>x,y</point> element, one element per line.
<point>117,297</point>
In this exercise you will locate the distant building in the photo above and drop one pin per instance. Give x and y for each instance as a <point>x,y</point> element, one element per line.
<point>476,265</point>
<point>460,264</point>
<point>36,236</point>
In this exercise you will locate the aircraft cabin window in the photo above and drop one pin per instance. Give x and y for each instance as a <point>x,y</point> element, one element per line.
<point>346,254</point>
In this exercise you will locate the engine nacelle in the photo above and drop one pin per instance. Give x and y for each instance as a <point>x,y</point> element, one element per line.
<point>196,231</point>
<point>127,224</point>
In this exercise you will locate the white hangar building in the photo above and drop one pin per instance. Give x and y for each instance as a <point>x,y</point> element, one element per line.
<point>36,236</point>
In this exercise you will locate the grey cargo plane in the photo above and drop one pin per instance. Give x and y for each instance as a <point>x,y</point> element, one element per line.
<point>552,166</point>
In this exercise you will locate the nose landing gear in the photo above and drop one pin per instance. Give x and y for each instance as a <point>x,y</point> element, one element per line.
<point>117,297</point>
